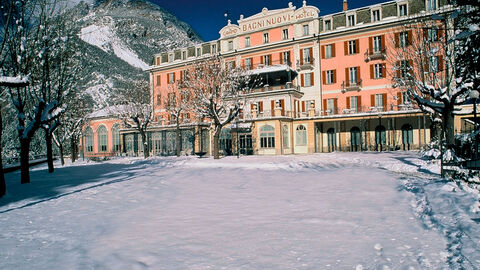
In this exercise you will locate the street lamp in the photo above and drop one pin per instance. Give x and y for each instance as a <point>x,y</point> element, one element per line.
<point>474,95</point>
<point>380,130</point>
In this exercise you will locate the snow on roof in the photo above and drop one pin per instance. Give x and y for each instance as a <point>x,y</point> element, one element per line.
<point>111,111</point>
<point>14,81</point>
<point>270,69</point>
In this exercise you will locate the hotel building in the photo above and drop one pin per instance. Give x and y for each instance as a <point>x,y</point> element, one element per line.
<point>327,85</point>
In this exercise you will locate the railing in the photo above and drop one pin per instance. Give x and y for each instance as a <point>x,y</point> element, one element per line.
<point>267,88</point>
<point>262,65</point>
<point>374,55</point>
<point>302,64</point>
<point>351,86</point>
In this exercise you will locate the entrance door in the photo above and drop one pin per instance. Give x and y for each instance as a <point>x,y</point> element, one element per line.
<point>246,144</point>
<point>331,139</point>
<point>355,139</point>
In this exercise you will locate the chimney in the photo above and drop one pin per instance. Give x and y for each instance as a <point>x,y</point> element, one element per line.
<point>345,5</point>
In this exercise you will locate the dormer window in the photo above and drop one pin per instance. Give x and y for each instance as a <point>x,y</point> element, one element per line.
<point>351,20</point>
<point>184,55</point>
<point>214,48</point>
<point>265,38</point>
<point>199,51</point>
<point>230,45</point>
<point>376,15</point>
<point>431,5</point>
<point>305,30</point>
<point>402,10</point>
<point>328,25</point>
<point>170,58</point>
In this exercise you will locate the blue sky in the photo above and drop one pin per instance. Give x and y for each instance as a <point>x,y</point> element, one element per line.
<point>207,16</point>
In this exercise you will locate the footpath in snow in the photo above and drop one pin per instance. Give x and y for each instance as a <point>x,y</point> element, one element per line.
<point>322,211</point>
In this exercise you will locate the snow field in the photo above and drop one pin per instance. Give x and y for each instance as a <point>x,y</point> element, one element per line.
<point>324,211</point>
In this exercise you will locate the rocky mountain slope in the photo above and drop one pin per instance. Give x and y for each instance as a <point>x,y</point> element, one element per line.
<point>118,38</point>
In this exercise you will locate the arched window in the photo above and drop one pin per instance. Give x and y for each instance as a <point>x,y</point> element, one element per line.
<point>285,136</point>
<point>407,136</point>
<point>102,135</point>
<point>331,139</point>
<point>88,133</point>
<point>380,135</point>
<point>116,138</point>
<point>267,137</point>
<point>355,138</point>
<point>157,142</point>
<point>301,135</point>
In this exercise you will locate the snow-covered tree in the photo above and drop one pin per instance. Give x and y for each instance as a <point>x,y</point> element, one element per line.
<point>133,105</point>
<point>424,66</point>
<point>178,104</point>
<point>218,92</point>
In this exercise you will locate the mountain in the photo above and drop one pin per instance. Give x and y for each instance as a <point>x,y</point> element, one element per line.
<point>118,38</point>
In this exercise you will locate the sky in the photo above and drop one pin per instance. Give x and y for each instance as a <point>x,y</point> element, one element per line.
<point>207,16</point>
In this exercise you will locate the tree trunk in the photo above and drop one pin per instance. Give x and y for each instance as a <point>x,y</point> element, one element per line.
<point>48,142</point>
<point>60,149</point>
<point>73,149</point>
<point>3,186</point>
<point>216,139</point>
<point>177,131</point>
<point>145,145</point>
<point>24,160</point>
<point>448,127</point>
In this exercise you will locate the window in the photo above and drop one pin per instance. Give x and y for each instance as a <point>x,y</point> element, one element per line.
<point>402,10</point>
<point>405,98</point>
<point>403,38</point>
<point>266,60</point>
<point>214,48</point>
<point>306,56</point>
<point>376,15</point>
<point>432,34</point>
<point>285,34</point>
<point>129,143</point>
<point>378,71</point>
<point>285,136</point>
<point>116,138</point>
<point>404,68</point>
<point>330,77</point>
<point>379,101</point>
<point>331,106</point>
<point>351,20</point>
<point>159,81</point>
<point>301,135</point>
<point>286,58</point>
<point>230,65</point>
<point>184,55</point>
<point>199,51</point>
<point>248,63</point>
<point>156,142</point>
<point>247,42</point>
<point>380,135</point>
<point>407,134</point>
<point>352,47</point>
<point>354,104</point>
<point>265,38</point>
<point>267,137</point>
<point>328,51</point>
<point>305,30</point>
<point>353,75</point>
<point>433,64</point>
<point>157,61</point>
<point>308,79</point>
<point>170,58</point>
<point>377,44</point>
<point>230,45</point>
<point>328,25</point>
<point>171,77</point>
<point>102,138</point>
<point>88,139</point>
<point>431,5</point>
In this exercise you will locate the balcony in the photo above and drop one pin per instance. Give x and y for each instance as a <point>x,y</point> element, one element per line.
<point>371,55</point>
<point>304,64</point>
<point>348,86</point>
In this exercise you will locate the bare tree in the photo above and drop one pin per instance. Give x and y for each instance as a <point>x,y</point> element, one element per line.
<point>133,105</point>
<point>424,66</point>
<point>217,92</point>
<point>178,104</point>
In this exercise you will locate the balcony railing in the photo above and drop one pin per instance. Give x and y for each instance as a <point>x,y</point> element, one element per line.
<point>351,86</point>
<point>262,65</point>
<point>306,63</point>
<point>375,55</point>
<point>267,88</point>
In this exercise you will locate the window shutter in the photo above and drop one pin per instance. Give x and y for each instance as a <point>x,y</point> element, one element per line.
<point>382,42</point>
<point>324,75</point>
<point>425,34</point>
<point>311,56</point>
<point>302,80</point>
<point>441,33</point>
<point>399,98</point>
<point>372,71</point>
<point>397,40</point>
<point>347,77</point>
<point>270,59</point>
<point>323,51</point>
<point>301,57</point>
<point>440,63</point>
<point>159,82</point>
<point>333,49</point>
<point>303,106</point>
<point>181,75</point>
<point>358,75</point>
<point>252,106</point>
<point>312,80</point>
<point>282,105</point>
<point>290,57</point>
<point>357,46</point>
<point>384,70</point>
<point>334,76</point>
<point>272,106</point>
<point>410,64</point>
<point>261,60</point>
<point>398,69</point>
<point>174,75</point>
<point>281,59</point>
<point>384,97</point>
<point>409,36</point>
<point>345,47</point>
<point>324,106</point>
<point>359,102</point>
<point>335,105</point>
<point>157,61</point>
<point>260,104</point>
<point>348,102</point>
<point>370,45</point>
<point>372,100</point>
<point>426,66</point>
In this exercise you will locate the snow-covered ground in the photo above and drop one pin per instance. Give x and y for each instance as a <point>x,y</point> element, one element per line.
<point>322,211</point>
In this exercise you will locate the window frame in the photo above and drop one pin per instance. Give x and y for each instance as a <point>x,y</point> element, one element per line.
<point>354,19</point>
<point>379,10</point>
<point>285,33</point>
<point>306,29</point>
<point>327,22</point>
<point>267,136</point>
<point>352,47</point>
<point>329,76</point>
<point>301,135</point>
<point>266,38</point>
<point>247,42</point>
<point>378,71</point>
